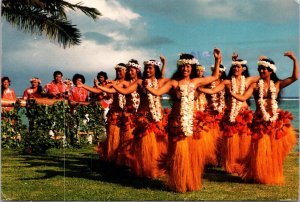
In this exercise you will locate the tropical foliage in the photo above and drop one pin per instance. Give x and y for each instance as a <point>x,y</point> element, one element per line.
<point>46,17</point>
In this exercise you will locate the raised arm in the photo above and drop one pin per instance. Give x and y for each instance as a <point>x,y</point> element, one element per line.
<point>246,95</point>
<point>164,64</point>
<point>252,79</point>
<point>217,89</point>
<point>128,90</point>
<point>284,83</point>
<point>162,90</point>
<point>209,79</point>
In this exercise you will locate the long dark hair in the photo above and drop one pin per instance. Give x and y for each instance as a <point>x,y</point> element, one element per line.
<point>245,72</point>
<point>273,76</point>
<point>158,74</point>
<point>178,75</point>
<point>138,72</point>
<point>5,78</point>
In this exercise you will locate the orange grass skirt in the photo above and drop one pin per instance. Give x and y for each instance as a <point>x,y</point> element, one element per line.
<point>264,163</point>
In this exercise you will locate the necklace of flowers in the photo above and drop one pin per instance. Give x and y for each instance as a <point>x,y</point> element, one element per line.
<point>187,108</point>
<point>236,105</point>
<point>122,99</point>
<point>200,102</point>
<point>154,101</point>
<point>135,97</point>
<point>218,106</point>
<point>261,101</point>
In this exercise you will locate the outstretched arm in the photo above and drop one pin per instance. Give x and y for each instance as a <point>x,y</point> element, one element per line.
<point>246,95</point>
<point>128,90</point>
<point>252,79</point>
<point>217,89</point>
<point>162,90</point>
<point>284,83</point>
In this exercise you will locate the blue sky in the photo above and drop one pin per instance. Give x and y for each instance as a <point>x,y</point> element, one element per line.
<point>144,29</point>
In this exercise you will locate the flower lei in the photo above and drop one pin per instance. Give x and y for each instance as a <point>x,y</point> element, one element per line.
<point>122,99</point>
<point>135,97</point>
<point>154,101</point>
<point>261,101</point>
<point>236,105</point>
<point>200,102</point>
<point>218,106</point>
<point>187,108</point>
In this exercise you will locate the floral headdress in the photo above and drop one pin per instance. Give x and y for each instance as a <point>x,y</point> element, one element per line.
<point>152,62</point>
<point>134,65</point>
<point>68,81</point>
<point>212,67</point>
<point>35,79</point>
<point>267,64</point>
<point>192,61</point>
<point>200,67</point>
<point>239,62</point>
<point>119,66</point>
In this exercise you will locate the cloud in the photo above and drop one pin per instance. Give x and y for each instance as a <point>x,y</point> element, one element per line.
<point>195,11</point>
<point>155,41</point>
<point>97,37</point>
<point>111,10</point>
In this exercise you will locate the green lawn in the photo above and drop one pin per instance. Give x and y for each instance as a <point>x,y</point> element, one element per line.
<point>77,174</point>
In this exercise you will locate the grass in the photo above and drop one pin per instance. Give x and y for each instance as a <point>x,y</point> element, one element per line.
<point>78,175</point>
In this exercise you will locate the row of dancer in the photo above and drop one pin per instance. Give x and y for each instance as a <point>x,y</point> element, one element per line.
<point>199,131</point>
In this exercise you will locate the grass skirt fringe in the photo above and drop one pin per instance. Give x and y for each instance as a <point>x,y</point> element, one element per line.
<point>264,164</point>
<point>186,164</point>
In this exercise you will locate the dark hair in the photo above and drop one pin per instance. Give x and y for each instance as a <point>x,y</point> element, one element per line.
<point>102,74</point>
<point>158,74</point>
<point>120,64</point>
<point>177,75</point>
<point>5,78</point>
<point>245,72</point>
<point>78,76</point>
<point>273,76</point>
<point>57,73</point>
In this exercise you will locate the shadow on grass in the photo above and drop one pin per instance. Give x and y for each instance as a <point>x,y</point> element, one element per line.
<point>217,175</point>
<point>88,167</point>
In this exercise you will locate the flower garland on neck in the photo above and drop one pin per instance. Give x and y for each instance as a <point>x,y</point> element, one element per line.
<point>200,102</point>
<point>187,108</point>
<point>135,97</point>
<point>218,106</point>
<point>236,105</point>
<point>154,101</point>
<point>261,101</point>
<point>121,98</point>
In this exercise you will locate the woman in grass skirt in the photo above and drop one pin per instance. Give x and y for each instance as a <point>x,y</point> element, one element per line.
<point>272,134</point>
<point>185,155</point>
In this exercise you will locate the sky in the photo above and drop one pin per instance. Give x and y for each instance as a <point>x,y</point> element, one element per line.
<point>145,29</point>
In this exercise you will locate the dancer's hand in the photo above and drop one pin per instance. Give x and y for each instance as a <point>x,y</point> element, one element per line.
<point>290,54</point>
<point>217,54</point>
<point>234,56</point>
<point>163,59</point>
<point>262,57</point>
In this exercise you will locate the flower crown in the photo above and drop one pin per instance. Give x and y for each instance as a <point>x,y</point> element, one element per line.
<point>132,64</point>
<point>200,67</point>
<point>68,81</point>
<point>187,61</point>
<point>267,64</point>
<point>120,67</point>
<point>220,69</point>
<point>152,62</point>
<point>35,79</point>
<point>243,62</point>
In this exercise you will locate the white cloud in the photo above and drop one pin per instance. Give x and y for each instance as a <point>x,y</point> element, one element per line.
<point>111,10</point>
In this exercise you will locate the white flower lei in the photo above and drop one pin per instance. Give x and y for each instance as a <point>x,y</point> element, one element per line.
<point>187,108</point>
<point>218,106</point>
<point>154,101</point>
<point>236,105</point>
<point>261,101</point>
<point>122,99</point>
<point>135,97</point>
<point>200,102</point>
